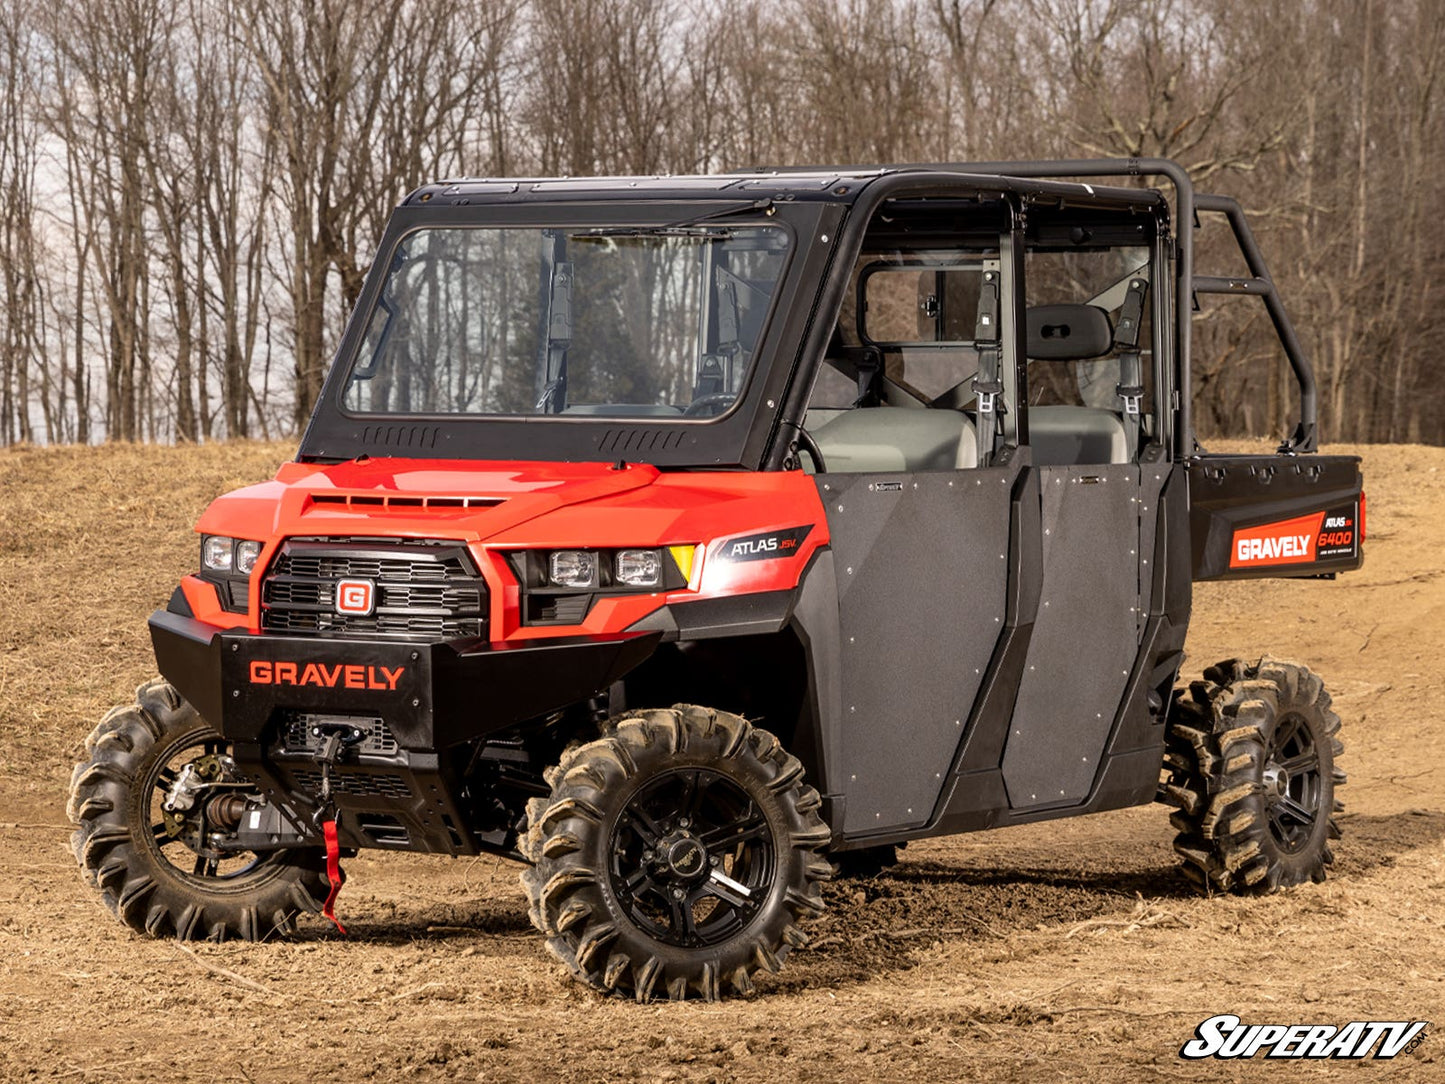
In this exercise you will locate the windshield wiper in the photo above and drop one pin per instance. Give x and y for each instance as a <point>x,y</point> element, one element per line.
<point>556,325</point>
<point>600,233</point>
<point>686,227</point>
<point>764,205</point>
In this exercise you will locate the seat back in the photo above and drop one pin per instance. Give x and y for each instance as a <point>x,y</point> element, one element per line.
<point>1066,435</point>
<point>896,439</point>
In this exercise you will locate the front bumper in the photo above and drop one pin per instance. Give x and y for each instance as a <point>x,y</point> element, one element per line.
<point>426,703</point>
<point>433,696</point>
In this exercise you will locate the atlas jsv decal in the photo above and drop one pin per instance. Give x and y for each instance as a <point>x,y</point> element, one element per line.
<point>767,546</point>
<point>1315,537</point>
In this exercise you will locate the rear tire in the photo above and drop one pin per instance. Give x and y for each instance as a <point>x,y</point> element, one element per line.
<point>1249,763</point>
<point>125,853</point>
<point>675,856</point>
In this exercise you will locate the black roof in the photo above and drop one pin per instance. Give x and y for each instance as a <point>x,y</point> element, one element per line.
<point>841,185</point>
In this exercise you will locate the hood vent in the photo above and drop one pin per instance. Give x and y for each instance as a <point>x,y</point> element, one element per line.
<point>620,441</point>
<point>400,436</point>
<point>379,502</point>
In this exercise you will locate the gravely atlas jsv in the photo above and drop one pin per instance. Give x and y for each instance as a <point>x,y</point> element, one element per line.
<point>688,538</point>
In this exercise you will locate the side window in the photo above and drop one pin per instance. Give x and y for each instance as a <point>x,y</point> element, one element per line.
<point>1090,353</point>
<point>896,389</point>
<point>921,316</point>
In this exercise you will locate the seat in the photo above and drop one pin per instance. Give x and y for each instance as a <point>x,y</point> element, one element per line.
<point>884,439</point>
<point>1066,435</point>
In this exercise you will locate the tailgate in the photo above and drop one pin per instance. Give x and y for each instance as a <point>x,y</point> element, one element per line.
<point>1275,515</point>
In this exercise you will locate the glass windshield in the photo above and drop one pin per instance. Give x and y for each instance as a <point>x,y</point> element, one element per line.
<point>657,322</point>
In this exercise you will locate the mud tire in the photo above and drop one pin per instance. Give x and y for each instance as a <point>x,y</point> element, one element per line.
<point>572,842</point>
<point>1241,828</point>
<point>113,842</point>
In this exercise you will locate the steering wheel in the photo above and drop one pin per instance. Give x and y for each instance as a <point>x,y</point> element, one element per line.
<point>695,408</point>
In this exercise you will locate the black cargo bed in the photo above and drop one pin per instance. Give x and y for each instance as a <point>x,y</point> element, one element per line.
<point>1275,515</point>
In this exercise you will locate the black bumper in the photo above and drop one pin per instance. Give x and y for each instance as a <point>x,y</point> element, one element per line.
<point>433,696</point>
<point>409,790</point>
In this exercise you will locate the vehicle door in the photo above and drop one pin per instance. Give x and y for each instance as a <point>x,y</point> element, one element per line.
<point>919,520</point>
<point>1088,415</point>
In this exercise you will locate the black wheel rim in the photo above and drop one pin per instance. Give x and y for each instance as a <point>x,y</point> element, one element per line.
<point>692,858</point>
<point>1292,784</point>
<point>183,847</point>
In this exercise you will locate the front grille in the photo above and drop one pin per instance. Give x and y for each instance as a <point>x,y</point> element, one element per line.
<point>423,590</point>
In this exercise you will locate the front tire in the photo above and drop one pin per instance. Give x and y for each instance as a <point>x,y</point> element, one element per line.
<point>1250,763</point>
<point>141,859</point>
<point>675,856</point>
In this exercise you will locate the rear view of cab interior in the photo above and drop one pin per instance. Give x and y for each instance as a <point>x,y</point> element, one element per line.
<point>922,372</point>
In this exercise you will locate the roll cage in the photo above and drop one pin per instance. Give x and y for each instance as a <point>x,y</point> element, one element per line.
<point>827,212</point>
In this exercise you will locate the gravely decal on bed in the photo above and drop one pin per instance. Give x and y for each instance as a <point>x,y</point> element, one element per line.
<point>1301,540</point>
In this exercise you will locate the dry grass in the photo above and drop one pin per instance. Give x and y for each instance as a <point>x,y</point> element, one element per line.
<point>1061,951</point>
<point>91,541</point>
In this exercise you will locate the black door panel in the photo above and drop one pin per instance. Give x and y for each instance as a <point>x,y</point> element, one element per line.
<point>921,563</point>
<point>1085,634</point>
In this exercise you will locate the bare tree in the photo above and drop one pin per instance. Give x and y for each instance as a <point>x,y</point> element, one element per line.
<point>190,191</point>
<point>21,313</point>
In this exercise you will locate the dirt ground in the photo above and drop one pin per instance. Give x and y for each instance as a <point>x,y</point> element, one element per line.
<point>1069,950</point>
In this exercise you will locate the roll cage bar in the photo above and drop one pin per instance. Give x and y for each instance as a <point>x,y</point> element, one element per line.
<point>1188,204</point>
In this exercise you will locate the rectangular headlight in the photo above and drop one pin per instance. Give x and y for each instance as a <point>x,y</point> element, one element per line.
<point>216,553</point>
<point>246,555</point>
<point>572,568</point>
<point>639,568</point>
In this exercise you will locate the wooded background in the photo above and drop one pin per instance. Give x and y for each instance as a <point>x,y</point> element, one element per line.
<point>191,190</point>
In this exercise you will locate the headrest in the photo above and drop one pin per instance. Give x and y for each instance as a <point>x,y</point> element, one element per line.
<point>1068,332</point>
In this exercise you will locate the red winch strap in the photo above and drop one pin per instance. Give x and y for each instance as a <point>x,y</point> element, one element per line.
<point>333,872</point>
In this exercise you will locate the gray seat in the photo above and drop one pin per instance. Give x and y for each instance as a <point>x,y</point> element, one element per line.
<point>877,440</point>
<point>1066,435</point>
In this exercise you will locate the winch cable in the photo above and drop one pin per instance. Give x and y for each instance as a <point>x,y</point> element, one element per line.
<point>334,740</point>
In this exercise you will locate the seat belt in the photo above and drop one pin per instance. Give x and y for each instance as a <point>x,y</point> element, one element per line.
<point>869,362</point>
<point>986,385</point>
<point>1131,372</point>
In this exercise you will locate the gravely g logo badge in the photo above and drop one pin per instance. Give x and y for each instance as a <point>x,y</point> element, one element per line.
<point>355,597</point>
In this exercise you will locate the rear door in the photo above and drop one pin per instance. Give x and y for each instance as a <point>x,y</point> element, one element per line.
<point>1087,627</point>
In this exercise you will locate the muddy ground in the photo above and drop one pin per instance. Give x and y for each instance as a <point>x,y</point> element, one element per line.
<point>1069,950</point>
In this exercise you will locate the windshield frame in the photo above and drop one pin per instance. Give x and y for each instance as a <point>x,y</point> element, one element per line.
<point>706,230</point>
<point>734,438</point>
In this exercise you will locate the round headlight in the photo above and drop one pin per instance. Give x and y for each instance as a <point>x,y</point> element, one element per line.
<point>216,553</point>
<point>246,554</point>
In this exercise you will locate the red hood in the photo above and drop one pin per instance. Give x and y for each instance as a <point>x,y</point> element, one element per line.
<point>413,497</point>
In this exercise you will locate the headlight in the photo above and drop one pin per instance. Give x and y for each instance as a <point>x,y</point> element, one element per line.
<point>639,568</point>
<point>573,568</point>
<point>246,555</point>
<point>216,553</point>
